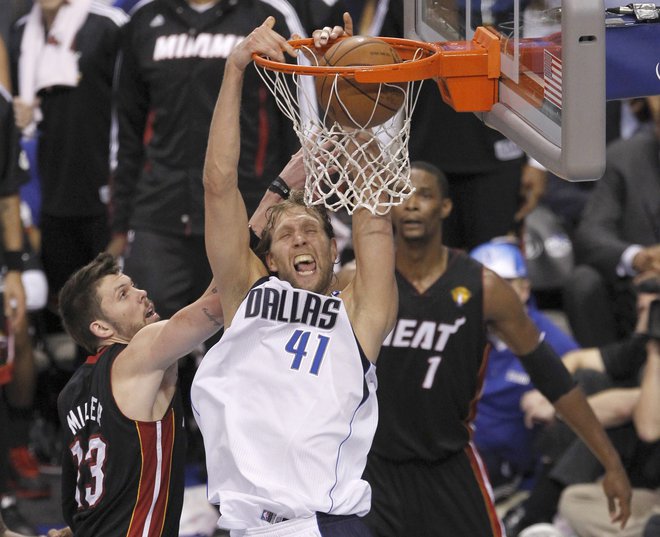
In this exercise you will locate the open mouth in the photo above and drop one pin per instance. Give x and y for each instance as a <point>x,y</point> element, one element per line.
<point>150,311</point>
<point>304,264</point>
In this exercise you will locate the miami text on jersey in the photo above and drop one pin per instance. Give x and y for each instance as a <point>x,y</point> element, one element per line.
<point>204,45</point>
<point>416,334</point>
<point>79,416</point>
<point>293,307</point>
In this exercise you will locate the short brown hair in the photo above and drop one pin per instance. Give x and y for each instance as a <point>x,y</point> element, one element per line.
<point>79,302</point>
<point>296,199</point>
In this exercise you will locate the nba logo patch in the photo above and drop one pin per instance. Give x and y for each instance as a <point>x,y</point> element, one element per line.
<point>460,295</point>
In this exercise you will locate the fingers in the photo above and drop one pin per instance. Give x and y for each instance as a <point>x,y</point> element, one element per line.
<point>348,23</point>
<point>327,34</point>
<point>263,41</point>
<point>321,37</point>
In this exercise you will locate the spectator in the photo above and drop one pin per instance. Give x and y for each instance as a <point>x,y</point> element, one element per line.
<point>63,56</point>
<point>504,440</point>
<point>567,462</point>
<point>170,75</point>
<point>617,239</point>
<point>579,504</point>
<point>16,378</point>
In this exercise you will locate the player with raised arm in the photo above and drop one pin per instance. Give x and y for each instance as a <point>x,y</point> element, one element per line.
<point>286,400</point>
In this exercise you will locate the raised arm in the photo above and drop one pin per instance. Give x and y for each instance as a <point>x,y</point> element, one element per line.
<point>235,267</point>
<point>372,296</point>
<point>505,315</point>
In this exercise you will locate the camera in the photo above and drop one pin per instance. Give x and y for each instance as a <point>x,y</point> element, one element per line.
<point>652,286</point>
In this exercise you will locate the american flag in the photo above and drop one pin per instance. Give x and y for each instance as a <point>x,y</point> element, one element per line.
<point>552,78</point>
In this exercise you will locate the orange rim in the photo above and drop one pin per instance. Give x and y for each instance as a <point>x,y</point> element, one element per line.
<point>411,68</point>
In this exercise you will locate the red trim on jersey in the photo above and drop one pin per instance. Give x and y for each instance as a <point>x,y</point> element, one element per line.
<point>484,486</point>
<point>95,358</point>
<point>262,146</point>
<point>481,375</point>
<point>157,449</point>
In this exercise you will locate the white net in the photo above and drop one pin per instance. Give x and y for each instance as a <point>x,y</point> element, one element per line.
<point>355,163</point>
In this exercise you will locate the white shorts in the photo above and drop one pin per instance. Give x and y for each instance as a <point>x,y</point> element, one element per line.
<point>319,525</point>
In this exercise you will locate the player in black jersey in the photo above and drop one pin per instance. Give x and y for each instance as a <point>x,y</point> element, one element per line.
<point>426,477</point>
<point>121,411</point>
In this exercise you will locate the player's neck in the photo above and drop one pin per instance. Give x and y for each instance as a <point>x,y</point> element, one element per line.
<point>420,264</point>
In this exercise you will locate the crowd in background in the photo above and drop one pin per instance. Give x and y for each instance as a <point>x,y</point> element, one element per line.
<point>113,131</point>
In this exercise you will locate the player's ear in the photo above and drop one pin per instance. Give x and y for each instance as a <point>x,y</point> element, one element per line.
<point>446,206</point>
<point>333,248</point>
<point>270,263</point>
<point>100,329</point>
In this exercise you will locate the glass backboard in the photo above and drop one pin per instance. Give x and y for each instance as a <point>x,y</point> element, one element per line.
<point>551,93</point>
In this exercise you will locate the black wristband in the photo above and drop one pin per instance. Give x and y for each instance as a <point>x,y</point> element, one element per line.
<point>14,260</point>
<point>547,372</point>
<point>280,188</point>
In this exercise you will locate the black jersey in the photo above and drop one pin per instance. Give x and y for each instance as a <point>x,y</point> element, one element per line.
<point>430,367</point>
<point>120,477</point>
<point>173,62</point>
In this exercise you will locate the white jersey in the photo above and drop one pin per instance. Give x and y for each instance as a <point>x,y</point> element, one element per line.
<point>287,407</point>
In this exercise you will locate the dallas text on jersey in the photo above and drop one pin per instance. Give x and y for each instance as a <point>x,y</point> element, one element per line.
<point>287,306</point>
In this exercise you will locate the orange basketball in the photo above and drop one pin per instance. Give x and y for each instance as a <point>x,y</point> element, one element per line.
<point>353,104</point>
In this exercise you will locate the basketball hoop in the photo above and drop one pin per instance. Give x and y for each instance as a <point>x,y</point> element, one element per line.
<point>357,161</point>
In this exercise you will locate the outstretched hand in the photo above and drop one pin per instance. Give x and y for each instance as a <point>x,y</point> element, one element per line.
<point>262,40</point>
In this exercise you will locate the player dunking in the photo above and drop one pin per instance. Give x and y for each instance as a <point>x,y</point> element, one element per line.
<point>285,401</point>
<point>426,478</point>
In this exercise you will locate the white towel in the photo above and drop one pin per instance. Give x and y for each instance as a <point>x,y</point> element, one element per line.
<point>51,61</point>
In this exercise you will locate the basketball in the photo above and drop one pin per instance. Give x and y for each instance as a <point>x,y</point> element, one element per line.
<point>352,104</point>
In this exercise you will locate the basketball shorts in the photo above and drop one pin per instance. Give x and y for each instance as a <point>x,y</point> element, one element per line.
<point>449,498</point>
<point>320,525</point>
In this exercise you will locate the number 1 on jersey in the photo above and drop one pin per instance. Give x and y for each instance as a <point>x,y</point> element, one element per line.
<point>434,362</point>
<point>297,346</point>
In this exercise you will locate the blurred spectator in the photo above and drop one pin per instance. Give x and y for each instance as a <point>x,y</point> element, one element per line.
<point>504,439</point>
<point>581,504</point>
<point>173,60</point>
<point>611,374</point>
<point>16,369</point>
<point>618,238</point>
<point>63,57</point>
<point>567,199</point>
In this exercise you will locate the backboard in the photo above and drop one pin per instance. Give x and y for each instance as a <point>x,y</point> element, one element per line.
<point>551,92</point>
